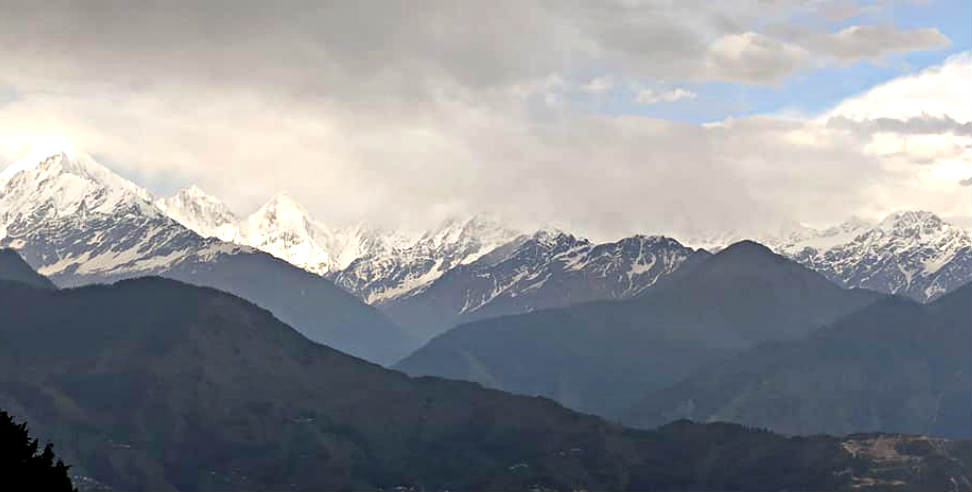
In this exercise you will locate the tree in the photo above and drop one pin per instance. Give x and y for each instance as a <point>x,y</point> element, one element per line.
<point>22,467</point>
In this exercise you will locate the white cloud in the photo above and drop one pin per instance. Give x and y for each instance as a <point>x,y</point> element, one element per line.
<point>648,96</point>
<point>598,85</point>
<point>940,91</point>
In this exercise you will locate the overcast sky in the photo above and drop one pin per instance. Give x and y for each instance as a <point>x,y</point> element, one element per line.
<point>606,117</point>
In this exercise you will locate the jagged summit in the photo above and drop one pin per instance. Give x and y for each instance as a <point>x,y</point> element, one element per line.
<point>912,222</point>
<point>910,252</point>
<point>201,212</point>
<point>68,187</point>
<point>546,269</point>
<point>282,211</point>
<point>913,253</point>
<point>77,222</point>
<point>553,238</point>
<point>69,215</point>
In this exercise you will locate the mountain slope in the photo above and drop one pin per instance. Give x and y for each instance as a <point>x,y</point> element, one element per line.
<point>13,268</point>
<point>376,265</point>
<point>409,268</point>
<point>153,384</point>
<point>893,366</point>
<point>598,357</point>
<point>76,222</point>
<point>911,253</point>
<point>282,228</point>
<point>545,270</point>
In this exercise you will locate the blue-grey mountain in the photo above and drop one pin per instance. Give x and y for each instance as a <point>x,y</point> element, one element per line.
<point>895,366</point>
<point>153,384</point>
<point>542,271</point>
<point>601,356</point>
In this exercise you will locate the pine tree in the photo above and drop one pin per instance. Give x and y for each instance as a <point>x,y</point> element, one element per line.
<point>22,467</point>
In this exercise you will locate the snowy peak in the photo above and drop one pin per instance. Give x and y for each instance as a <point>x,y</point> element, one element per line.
<point>202,213</point>
<point>913,253</point>
<point>913,223</point>
<point>282,212</point>
<point>74,219</point>
<point>557,240</point>
<point>467,239</point>
<point>546,269</point>
<point>402,269</point>
<point>283,228</point>
<point>74,165</point>
<point>65,184</point>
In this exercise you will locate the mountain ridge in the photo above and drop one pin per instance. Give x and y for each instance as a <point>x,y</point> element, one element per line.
<point>181,387</point>
<point>589,356</point>
<point>914,253</point>
<point>76,222</point>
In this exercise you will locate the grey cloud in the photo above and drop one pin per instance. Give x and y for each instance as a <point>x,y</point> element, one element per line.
<point>923,125</point>
<point>401,50</point>
<point>753,58</point>
<point>401,112</point>
<point>868,42</point>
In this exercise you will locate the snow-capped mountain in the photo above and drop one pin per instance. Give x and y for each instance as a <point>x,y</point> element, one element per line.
<point>200,212</point>
<point>374,264</point>
<point>73,219</point>
<point>283,228</point>
<point>911,253</point>
<point>818,239</point>
<point>402,269</point>
<point>545,270</point>
<point>76,222</point>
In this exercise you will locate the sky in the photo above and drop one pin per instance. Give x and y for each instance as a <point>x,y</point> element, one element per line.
<point>605,117</point>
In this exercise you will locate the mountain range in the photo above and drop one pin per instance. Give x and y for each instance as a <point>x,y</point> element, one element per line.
<point>592,356</point>
<point>911,253</point>
<point>76,222</point>
<point>179,370</point>
<point>474,269</point>
<point>154,384</point>
<point>545,270</point>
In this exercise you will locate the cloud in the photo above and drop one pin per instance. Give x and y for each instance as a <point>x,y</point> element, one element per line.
<point>753,58</point>
<point>869,42</point>
<point>648,96</point>
<point>598,85</point>
<point>939,91</point>
<point>916,125</point>
<point>384,112</point>
<point>361,50</point>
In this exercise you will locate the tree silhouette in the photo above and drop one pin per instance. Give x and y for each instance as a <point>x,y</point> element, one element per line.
<point>22,467</point>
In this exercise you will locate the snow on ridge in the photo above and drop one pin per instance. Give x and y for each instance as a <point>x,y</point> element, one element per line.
<point>202,213</point>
